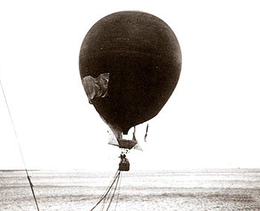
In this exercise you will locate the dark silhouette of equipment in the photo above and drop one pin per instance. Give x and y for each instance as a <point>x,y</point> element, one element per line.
<point>124,164</point>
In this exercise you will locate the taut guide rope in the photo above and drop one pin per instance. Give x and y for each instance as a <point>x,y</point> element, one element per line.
<point>20,149</point>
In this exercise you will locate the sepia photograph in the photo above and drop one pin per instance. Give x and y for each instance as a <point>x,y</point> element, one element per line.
<point>129,105</point>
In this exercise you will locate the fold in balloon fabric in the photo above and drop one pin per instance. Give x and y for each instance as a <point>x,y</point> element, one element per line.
<point>96,87</point>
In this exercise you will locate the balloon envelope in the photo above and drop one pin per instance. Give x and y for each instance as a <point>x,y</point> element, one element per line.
<point>129,63</point>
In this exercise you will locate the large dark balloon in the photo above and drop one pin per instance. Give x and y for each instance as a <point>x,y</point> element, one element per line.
<point>129,63</point>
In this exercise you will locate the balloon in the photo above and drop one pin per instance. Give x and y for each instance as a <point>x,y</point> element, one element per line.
<point>129,63</point>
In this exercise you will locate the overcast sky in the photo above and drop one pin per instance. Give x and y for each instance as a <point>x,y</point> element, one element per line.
<point>211,120</point>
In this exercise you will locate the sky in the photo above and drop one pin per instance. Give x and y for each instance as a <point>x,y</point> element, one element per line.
<point>211,120</point>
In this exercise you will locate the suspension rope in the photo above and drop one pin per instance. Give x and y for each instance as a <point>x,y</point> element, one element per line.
<point>19,146</point>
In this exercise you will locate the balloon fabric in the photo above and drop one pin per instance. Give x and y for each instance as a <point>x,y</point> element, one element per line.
<point>142,57</point>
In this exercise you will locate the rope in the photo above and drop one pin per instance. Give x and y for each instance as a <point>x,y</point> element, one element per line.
<point>114,191</point>
<point>108,191</point>
<point>105,199</point>
<point>117,198</point>
<point>31,185</point>
<point>19,146</point>
<point>108,195</point>
<point>146,132</point>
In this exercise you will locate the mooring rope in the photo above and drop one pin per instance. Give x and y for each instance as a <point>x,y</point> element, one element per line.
<point>114,191</point>
<point>117,198</point>
<point>109,196</point>
<point>19,146</point>
<point>104,197</point>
